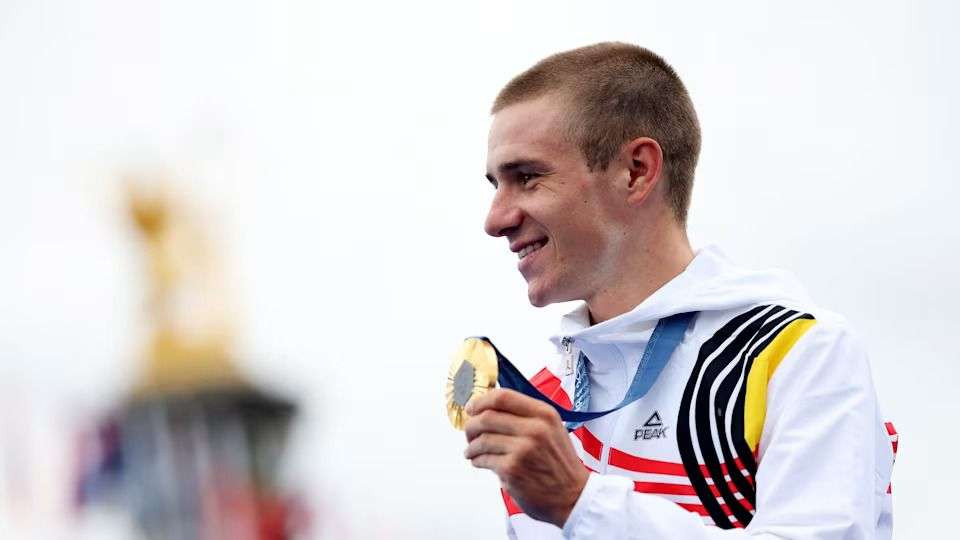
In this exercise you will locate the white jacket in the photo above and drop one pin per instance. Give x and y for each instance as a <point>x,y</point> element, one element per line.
<point>763,425</point>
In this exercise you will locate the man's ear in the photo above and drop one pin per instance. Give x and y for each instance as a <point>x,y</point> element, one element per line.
<point>644,159</point>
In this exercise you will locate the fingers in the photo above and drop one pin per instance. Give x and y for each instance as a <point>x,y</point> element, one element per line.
<point>513,402</point>
<point>489,443</point>
<point>492,421</point>
<point>494,462</point>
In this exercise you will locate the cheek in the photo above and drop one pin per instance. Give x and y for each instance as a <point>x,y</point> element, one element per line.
<point>582,245</point>
<point>576,217</point>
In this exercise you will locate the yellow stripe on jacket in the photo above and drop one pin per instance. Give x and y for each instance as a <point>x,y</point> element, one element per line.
<point>764,365</point>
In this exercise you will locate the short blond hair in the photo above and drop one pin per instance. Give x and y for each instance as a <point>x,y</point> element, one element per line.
<point>614,93</point>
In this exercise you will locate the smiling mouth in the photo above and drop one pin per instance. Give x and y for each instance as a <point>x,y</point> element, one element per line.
<point>531,248</point>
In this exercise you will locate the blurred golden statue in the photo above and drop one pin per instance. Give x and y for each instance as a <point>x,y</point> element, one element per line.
<point>187,302</point>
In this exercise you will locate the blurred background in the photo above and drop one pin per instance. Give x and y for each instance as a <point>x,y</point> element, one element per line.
<point>291,194</point>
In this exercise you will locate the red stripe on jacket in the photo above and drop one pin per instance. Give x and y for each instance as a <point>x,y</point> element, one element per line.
<point>894,442</point>
<point>549,385</point>
<point>512,506</point>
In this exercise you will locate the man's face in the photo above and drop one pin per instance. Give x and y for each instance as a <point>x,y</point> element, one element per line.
<point>561,219</point>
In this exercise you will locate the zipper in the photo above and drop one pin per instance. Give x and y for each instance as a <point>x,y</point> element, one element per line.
<point>566,343</point>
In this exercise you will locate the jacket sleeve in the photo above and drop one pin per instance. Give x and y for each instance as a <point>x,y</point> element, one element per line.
<point>822,474</point>
<point>524,527</point>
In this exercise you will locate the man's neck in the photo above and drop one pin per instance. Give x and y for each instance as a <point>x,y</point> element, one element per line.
<point>641,275</point>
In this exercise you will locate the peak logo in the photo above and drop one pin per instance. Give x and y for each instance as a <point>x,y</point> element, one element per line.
<point>653,428</point>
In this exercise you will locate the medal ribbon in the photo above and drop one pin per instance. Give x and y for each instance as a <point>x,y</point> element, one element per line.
<point>665,338</point>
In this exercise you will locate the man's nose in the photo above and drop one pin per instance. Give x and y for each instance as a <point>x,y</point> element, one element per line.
<point>504,216</point>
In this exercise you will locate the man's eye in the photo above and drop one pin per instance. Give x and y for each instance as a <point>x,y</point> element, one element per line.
<point>523,178</point>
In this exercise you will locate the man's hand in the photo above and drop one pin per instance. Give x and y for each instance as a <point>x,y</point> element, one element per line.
<point>524,442</point>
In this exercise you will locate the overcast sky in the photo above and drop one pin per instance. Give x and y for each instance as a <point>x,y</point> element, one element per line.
<point>337,155</point>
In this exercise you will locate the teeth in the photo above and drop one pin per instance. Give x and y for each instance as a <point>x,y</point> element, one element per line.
<point>529,249</point>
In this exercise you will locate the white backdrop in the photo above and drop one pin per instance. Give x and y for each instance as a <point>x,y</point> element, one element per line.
<point>339,153</point>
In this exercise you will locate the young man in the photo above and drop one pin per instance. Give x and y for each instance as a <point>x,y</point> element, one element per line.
<point>764,421</point>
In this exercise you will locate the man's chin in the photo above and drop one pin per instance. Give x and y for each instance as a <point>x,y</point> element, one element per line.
<point>536,302</point>
<point>539,296</point>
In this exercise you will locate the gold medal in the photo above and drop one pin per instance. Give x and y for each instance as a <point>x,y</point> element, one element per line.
<point>472,373</point>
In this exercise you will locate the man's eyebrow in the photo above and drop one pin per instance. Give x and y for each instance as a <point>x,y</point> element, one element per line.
<point>511,166</point>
